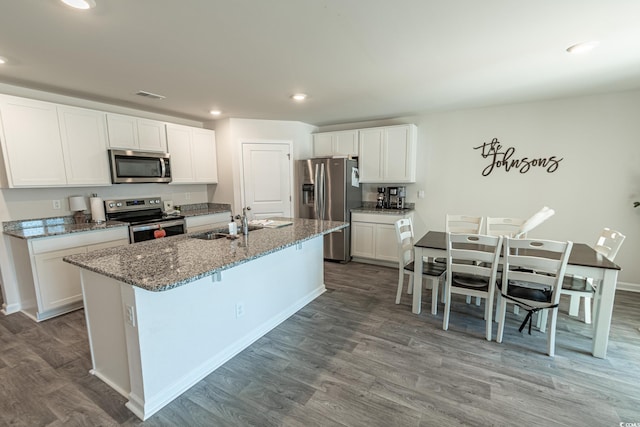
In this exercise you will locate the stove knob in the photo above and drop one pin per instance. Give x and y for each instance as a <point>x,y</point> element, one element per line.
<point>111,205</point>
<point>157,201</point>
<point>151,202</point>
<point>119,204</point>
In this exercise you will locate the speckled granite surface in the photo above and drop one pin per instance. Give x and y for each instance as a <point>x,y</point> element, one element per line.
<point>197,209</point>
<point>163,264</point>
<point>370,207</point>
<point>46,227</point>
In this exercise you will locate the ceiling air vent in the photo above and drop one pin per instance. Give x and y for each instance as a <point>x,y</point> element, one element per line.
<point>149,95</point>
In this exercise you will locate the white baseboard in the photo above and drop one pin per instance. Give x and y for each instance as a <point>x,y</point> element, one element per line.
<point>10,309</point>
<point>626,286</point>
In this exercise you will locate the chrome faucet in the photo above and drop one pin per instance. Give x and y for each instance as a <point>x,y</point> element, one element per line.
<point>245,220</point>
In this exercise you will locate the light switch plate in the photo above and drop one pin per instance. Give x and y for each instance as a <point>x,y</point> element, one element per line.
<point>168,205</point>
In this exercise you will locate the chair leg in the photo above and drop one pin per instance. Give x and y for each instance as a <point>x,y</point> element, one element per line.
<point>502,311</point>
<point>574,305</point>
<point>587,310</point>
<point>551,335</point>
<point>468,299</point>
<point>401,284</point>
<point>435,284</point>
<point>488,312</point>
<point>447,310</point>
<point>542,320</point>
<point>478,299</point>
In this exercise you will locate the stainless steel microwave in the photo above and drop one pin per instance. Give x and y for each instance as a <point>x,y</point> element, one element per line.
<point>132,167</point>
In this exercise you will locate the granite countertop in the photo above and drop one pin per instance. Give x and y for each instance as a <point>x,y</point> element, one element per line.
<point>367,209</point>
<point>163,264</point>
<point>47,227</point>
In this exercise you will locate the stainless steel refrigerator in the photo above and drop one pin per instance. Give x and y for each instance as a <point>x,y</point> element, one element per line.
<point>328,189</point>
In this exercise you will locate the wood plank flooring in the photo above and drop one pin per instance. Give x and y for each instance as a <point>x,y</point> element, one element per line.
<point>350,358</point>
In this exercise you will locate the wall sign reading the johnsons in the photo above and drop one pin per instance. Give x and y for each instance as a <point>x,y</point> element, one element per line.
<point>504,158</point>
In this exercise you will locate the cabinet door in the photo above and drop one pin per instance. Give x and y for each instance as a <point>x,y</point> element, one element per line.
<point>179,144</point>
<point>123,132</point>
<point>386,243</point>
<point>84,145</point>
<point>322,144</point>
<point>399,154</point>
<point>363,239</point>
<point>111,244</point>
<point>345,143</point>
<point>370,161</point>
<point>58,283</point>
<point>203,150</point>
<point>31,144</point>
<point>152,135</point>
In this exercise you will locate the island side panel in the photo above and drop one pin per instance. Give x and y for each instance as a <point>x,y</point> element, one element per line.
<point>185,333</point>
<point>105,327</point>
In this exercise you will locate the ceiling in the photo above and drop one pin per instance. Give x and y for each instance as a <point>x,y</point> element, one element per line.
<point>357,59</point>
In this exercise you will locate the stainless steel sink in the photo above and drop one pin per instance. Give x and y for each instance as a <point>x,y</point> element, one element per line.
<point>209,235</point>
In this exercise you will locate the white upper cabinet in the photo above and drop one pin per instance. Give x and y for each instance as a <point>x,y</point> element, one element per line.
<point>84,146</point>
<point>193,155</point>
<point>340,143</point>
<point>31,143</point>
<point>388,154</point>
<point>133,133</point>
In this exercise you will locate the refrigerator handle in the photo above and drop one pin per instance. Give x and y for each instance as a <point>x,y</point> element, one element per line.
<point>316,193</point>
<point>322,192</point>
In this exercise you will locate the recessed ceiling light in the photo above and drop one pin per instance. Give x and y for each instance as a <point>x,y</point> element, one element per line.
<point>299,96</point>
<point>3,60</point>
<point>582,47</point>
<point>215,112</point>
<point>80,4</point>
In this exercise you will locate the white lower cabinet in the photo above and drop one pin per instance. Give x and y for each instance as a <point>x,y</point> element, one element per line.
<point>48,285</point>
<point>206,222</point>
<point>373,237</point>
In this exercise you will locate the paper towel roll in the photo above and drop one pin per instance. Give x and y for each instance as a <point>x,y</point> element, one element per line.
<point>97,209</point>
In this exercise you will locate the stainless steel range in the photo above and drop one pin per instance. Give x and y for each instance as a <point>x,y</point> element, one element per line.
<point>146,219</point>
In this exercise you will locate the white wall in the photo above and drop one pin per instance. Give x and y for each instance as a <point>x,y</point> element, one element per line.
<point>231,133</point>
<point>594,186</point>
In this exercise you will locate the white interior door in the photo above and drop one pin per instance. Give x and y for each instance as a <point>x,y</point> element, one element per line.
<point>266,169</point>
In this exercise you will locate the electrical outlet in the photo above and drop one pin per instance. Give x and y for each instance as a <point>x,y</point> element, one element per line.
<point>421,194</point>
<point>239,309</point>
<point>168,205</point>
<point>187,196</point>
<point>56,204</point>
<point>131,318</point>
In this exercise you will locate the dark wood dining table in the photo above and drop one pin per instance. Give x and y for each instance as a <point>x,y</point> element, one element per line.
<point>584,261</point>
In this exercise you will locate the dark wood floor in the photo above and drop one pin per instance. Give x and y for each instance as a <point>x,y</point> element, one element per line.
<point>350,358</point>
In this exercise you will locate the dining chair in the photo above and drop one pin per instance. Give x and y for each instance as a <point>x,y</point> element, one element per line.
<point>533,271</point>
<point>506,227</point>
<point>462,224</point>
<point>608,244</point>
<point>431,271</point>
<point>472,266</point>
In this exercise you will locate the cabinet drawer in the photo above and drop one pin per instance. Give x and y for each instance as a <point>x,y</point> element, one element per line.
<point>375,218</point>
<point>53,243</point>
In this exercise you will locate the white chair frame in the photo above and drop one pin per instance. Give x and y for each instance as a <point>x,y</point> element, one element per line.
<point>432,272</point>
<point>469,269</point>
<point>542,269</point>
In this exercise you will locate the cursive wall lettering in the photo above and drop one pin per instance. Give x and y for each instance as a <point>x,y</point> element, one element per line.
<point>505,159</point>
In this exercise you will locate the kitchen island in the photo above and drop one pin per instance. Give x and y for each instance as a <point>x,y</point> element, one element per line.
<point>162,315</point>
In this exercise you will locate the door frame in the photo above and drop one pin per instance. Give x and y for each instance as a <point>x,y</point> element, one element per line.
<point>287,142</point>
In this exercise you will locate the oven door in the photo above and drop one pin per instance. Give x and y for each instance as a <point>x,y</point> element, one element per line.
<point>156,230</point>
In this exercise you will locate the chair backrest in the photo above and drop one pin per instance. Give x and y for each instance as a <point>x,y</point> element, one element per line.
<point>404,236</point>
<point>463,224</point>
<point>473,254</point>
<point>609,243</point>
<point>535,267</point>
<point>508,227</point>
